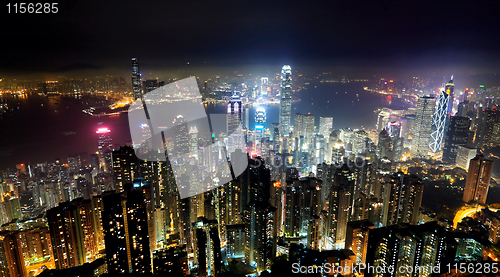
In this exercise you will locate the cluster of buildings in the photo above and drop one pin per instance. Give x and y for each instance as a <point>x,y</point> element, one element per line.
<point>314,194</point>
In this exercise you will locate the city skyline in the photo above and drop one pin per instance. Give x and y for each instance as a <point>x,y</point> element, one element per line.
<point>256,139</point>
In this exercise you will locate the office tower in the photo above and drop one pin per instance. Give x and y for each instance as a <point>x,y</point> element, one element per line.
<point>325,126</point>
<point>407,123</point>
<point>136,79</point>
<point>260,235</point>
<point>72,233</point>
<point>464,155</point>
<point>423,120</point>
<point>104,144</point>
<point>402,199</point>
<point>359,142</point>
<point>478,180</point>
<point>302,201</point>
<point>234,120</point>
<point>385,146</point>
<point>383,117</point>
<point>125,167</point>
<point>208,254</point>
<point>439,122</point>
<point>308,125</point>
<point>264,85</point>
<point>457,135</point>
<point>260,127</point>
<point>340,204</point>
<point>394,131</point>
<point>357,239</point>
<point>450,91</point>
<point>488,129</point>
<point>235,113</point>
<point>260,118</point>
<point>285,100</point>
<point>298,125</point>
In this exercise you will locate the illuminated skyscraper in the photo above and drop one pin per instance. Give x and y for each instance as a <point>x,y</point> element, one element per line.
<point>457,134</point>
<point>423,120</point>
<point>325,126</point>
<point>136,79</point>
<point>478,180</point>
<point>285,100</point>
<point>104,144</point>
<point>260,118</point>
<point>264,84</point>
<point>450,90</point>
<point>439,122</point>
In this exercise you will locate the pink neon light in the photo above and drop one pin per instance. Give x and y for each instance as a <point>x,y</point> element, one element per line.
<point>102,131</point>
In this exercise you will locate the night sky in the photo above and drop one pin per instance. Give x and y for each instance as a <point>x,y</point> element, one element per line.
<point>96,34</point>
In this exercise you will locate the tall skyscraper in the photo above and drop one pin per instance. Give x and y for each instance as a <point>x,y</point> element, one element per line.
<point>104,145</point>
<point>450,90</point>
<point>488,129</point>
<point>325,126</point>
<point>260,118</point>
<point>439,122</point>
<point>136,79</point>
<point>478,180</point>
<point>285,100</point>
<point>457,135</point>
<point>264,85</point>
<point>423,120</point>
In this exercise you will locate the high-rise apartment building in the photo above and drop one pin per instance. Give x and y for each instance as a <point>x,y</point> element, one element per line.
<point>260,235</point>
<point>402,199</point>
<point>72,233</point>
<point>285,100</point>
<point>478,180</point>
<point>126,230</point>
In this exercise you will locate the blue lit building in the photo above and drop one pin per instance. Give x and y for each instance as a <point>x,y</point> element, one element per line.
<point>439,122</point>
